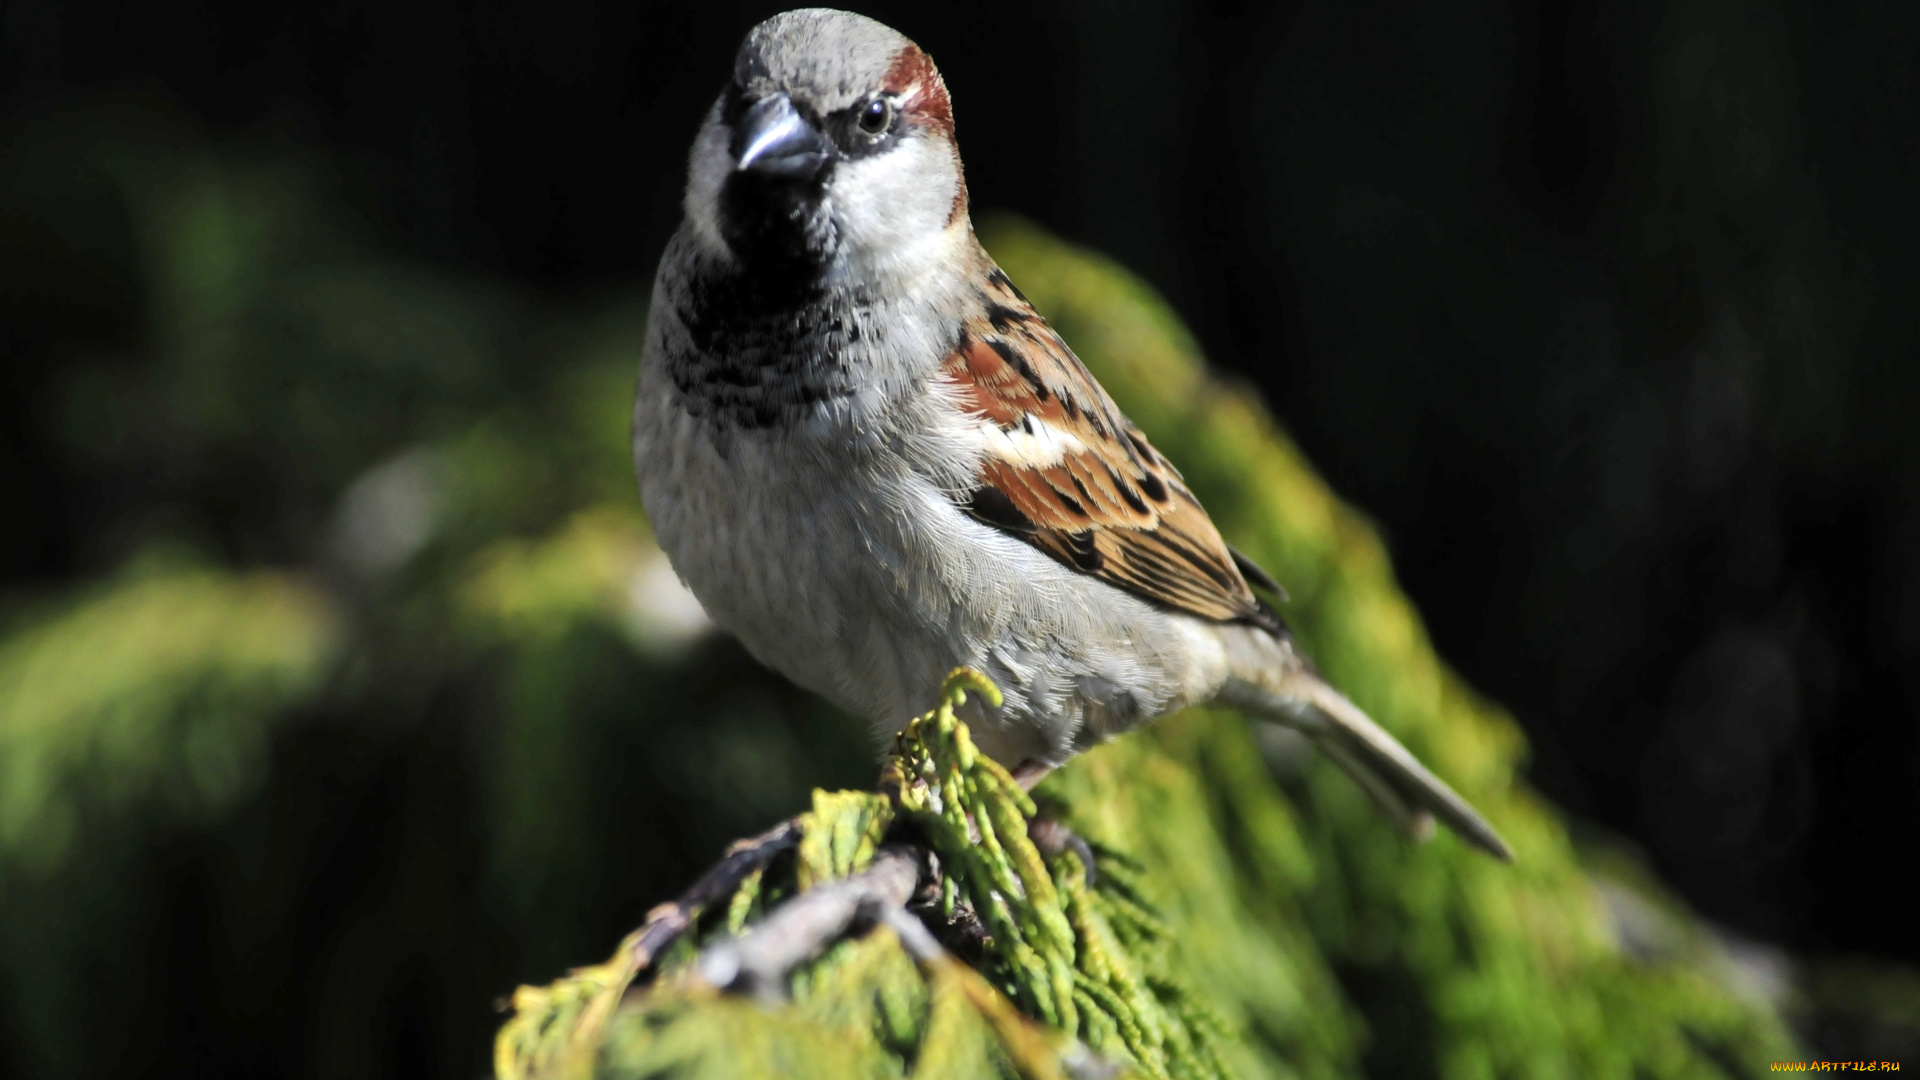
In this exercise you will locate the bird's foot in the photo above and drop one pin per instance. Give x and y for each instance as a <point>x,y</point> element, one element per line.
<point>1054,839</point>
<point>1030,772</point>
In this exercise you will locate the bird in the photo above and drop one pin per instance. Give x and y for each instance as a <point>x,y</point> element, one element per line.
<point>873,461</point>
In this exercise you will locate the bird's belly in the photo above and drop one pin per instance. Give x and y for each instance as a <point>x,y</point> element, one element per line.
<point>868,586</point>
<point>795,560</point>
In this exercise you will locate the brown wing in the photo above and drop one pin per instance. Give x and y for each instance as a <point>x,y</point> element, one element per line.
<point>1073,477</point>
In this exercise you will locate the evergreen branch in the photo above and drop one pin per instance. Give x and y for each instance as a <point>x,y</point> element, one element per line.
<point>744,859</point>
<point>1055,950</point>
<point>802,928</point>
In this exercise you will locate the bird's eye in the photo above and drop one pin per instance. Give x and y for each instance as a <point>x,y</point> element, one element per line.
<point>876,117</point>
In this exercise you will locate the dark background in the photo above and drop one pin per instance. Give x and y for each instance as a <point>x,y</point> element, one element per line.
<point>1604,312</point>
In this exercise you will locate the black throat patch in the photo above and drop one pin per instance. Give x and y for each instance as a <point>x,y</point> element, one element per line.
<point>763,350</point>
<point>777,225</point>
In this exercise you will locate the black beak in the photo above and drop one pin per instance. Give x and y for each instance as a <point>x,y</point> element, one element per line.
<point>773,139</point>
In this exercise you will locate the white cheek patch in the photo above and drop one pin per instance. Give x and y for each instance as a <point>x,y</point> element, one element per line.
<point>892,208</point>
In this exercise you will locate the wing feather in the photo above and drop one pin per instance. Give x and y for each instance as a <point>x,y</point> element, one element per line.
<point>1069,474</point>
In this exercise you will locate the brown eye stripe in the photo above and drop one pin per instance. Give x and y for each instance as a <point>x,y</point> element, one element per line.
<point>922,93</point>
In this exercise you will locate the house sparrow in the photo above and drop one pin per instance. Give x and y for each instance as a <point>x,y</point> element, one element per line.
<point>873,461</point>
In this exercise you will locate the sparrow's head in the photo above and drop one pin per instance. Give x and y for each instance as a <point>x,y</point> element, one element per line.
<point>829,154</point>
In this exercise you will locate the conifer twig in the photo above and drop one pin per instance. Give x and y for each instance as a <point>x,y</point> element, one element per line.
<point>803,927</point>
<point>668,921</point>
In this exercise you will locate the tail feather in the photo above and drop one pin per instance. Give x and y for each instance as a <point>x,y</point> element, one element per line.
<point>1407,815</point>
<point>1404,789</point>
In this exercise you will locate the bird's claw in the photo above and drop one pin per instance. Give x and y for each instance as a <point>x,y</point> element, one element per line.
<point>1053,838</point>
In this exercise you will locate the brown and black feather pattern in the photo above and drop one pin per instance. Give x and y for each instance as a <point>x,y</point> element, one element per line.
<point>1110,505</point>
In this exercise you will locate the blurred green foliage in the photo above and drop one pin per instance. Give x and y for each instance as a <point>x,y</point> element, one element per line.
<point>369,699</point>
<point>160,688</point>
<point>368,696</point>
